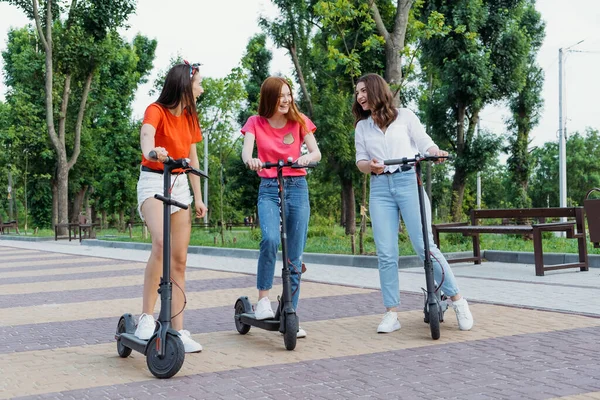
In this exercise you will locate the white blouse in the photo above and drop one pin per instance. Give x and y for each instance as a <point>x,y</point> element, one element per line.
<point>405,137</point>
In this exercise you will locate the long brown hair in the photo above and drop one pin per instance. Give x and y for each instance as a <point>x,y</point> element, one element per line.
<point>178,90</point>
<point>380,99</point>
<point>269,100</point>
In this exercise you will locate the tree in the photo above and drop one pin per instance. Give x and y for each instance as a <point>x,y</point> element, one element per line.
<point>525,106</point>
<point>74,48</point>
<point>292,31</point>
<point>481,60</point>
<point>394,40</point>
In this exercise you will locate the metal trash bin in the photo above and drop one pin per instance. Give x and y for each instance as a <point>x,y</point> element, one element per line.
<point>592,211</point>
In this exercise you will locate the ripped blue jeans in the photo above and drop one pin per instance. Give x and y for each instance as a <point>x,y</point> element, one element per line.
<point>297,209</point>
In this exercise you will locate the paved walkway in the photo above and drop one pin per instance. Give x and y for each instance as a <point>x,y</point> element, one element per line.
<point>534,337</point>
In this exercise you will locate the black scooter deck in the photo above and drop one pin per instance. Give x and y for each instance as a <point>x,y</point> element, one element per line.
<point>267,324</point>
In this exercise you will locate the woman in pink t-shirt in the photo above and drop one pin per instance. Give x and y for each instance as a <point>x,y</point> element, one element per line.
<point>279,130</point>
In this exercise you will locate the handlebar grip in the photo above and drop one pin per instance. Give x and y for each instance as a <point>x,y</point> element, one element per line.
<point>171,201</point>
<point>396,161</point>
<point>310,165</point>
<point>153,155</point>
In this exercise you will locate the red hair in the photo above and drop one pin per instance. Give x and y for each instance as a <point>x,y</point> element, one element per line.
<point>270,90</point>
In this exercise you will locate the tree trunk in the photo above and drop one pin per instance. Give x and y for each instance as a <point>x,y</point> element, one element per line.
<point>343,209</point>
<point>350,213</point>
<point>394,41</point>
<point>78,204</point>
<point>294,54</point>
<point>363,216</point>
<point>54,203</point>
<point>458,182</point>
<point>121,221</point>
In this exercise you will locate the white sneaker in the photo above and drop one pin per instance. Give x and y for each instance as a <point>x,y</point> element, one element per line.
<point>463,314</point>
<point>145,327</point>
<point>301,333</point>
<point>389,323</point>
<point>189,344</point>
<point>263,309</point>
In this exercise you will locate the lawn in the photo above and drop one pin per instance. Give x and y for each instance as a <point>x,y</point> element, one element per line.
<point>331,239</point>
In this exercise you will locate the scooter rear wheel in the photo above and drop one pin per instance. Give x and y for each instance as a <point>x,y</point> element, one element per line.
<point>434,321</point>
<point>123,350</point>
<point>241,327</point>
<point>171,363</point>
<point>291,331</point>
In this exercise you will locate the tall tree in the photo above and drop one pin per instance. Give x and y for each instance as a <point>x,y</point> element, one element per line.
<point>72,39</point>
<point>481,60</point>
<point>525,106</point>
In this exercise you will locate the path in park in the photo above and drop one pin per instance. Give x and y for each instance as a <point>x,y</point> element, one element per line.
<point>534,337</point>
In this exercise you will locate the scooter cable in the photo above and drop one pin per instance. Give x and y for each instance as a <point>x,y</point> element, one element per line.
<point>443,272</point>
<point>184,299</point>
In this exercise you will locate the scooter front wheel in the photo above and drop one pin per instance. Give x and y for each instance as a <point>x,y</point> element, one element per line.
<point>171,363</point>
<point>434,321</point>
<point>290,335</point>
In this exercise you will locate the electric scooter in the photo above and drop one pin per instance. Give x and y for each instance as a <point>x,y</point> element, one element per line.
<point>436,302</point>
<point>285,319</point>
<point>164,351</point>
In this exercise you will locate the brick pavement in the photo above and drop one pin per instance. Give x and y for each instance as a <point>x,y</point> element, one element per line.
<point>58,329</point>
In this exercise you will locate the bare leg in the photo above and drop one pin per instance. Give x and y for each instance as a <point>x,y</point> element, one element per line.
<point>152,209</point>
<point>181,227</point>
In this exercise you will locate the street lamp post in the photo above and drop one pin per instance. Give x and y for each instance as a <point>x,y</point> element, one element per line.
<point>562,130</point>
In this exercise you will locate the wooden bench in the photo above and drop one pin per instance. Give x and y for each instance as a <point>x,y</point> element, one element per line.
<point>6,226</point>
<point>574,228</point>
<point>71,228</point>
<point>83,228</point>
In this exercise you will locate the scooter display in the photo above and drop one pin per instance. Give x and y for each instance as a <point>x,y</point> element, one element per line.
<point>285,319</point>
<point>164,351</point>
<point>435,302</point>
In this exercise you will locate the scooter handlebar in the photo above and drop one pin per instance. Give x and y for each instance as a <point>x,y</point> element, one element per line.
<point>290,164</point>
<point>417,158</point>
<point>183,163</point>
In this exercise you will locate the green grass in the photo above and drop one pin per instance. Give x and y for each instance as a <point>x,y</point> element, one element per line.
<point>332,240</point>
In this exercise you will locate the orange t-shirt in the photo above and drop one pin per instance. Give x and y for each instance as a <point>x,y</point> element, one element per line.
<point>174,133</point>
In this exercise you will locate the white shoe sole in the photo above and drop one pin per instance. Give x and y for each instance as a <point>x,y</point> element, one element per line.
<point>393,329</point>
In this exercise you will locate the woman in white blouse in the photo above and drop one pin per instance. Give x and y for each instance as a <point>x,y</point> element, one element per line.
<point>386,132</point>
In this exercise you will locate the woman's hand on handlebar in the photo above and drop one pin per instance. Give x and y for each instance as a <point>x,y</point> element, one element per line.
<point>434,151</point>
<point>304,160</point>
<point>161,154</point>
<point>200,208</point>
<point>254,164</point>
<point>376,166</point>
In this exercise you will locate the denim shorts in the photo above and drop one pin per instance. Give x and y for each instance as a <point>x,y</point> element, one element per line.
<point>151,183</point>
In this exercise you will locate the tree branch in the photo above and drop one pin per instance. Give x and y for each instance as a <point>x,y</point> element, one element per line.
<point>38,24</point>
<point>378,21</point>
<point>64,105</point>
<point>80,115</point>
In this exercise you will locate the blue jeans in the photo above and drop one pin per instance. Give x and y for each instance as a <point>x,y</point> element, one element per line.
<point>297,209</point>
<point>392,194</point>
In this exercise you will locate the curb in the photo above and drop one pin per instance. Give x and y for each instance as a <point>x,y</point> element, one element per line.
<point>310,258</point>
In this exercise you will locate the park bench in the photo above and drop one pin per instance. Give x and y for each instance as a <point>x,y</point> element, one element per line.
<point>82,228</point>
<point>6,226</point>
<point>528,221</point>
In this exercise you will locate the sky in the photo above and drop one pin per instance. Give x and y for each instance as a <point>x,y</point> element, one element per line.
<point>215,33</point>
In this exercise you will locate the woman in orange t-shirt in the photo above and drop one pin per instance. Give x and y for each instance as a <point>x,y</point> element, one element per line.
<point>170,128</point>
<point>279,130</point>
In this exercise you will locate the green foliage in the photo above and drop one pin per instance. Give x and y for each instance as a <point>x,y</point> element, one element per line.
<point>583,172</point>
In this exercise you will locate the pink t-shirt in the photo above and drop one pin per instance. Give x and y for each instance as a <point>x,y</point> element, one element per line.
<point>278,144</point>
